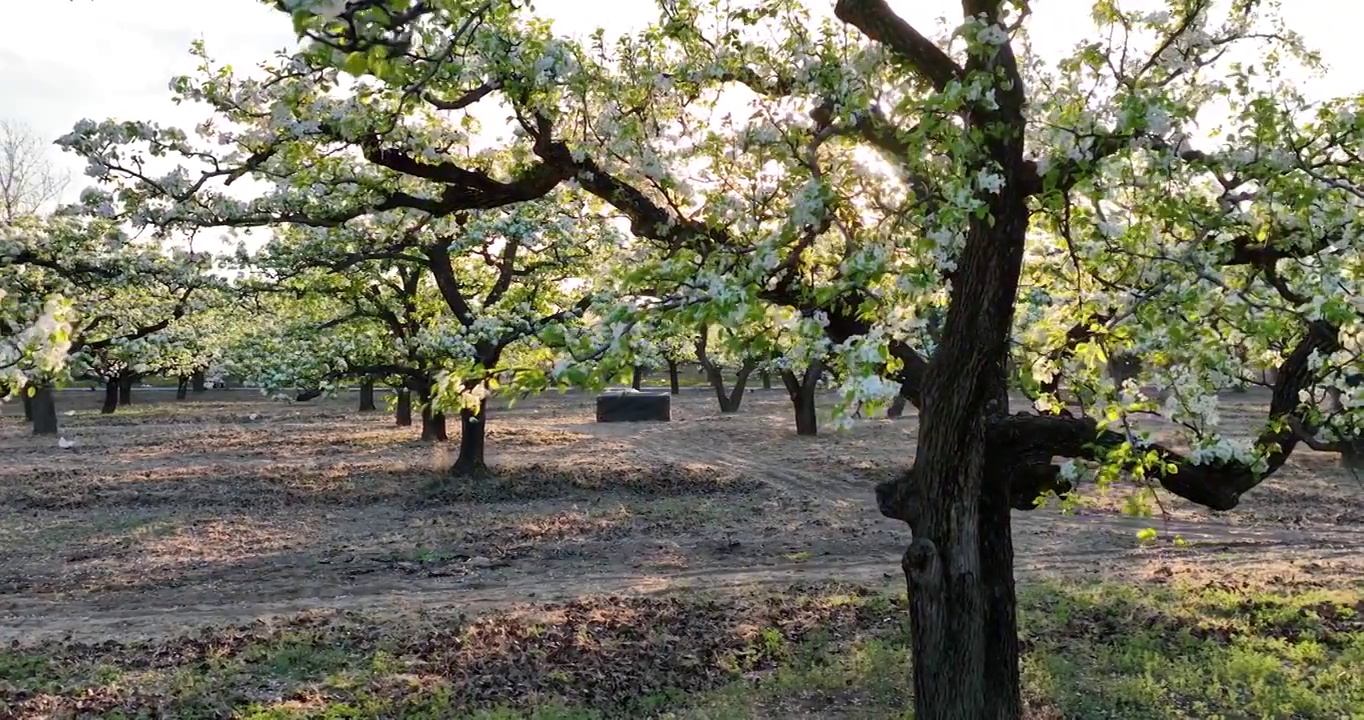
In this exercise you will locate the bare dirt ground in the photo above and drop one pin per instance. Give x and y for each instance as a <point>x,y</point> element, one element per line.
<point>227,508</point>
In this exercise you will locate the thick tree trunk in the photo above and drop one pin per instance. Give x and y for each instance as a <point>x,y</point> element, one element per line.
<point>403,415</point>
<point>767,379</point>
<point>181,388</point>
<point>956,499</point>
<point>802,393</point>
<point>472,435</point>
<point>111,396</point>
<point>433,425</point>
<point>28,405</point>
<point>673,383</point>
<point>199,381</point>
<point>959,567</point>
<point>366,395</point>
<point>1001,674</point>
<point>44,411</point>
<point>636,377</point>
<point>125,389</point>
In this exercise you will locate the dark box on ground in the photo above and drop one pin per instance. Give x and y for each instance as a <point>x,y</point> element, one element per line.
<point>640,406</point>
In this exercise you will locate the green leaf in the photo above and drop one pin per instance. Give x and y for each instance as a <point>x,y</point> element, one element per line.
<point>357,64</point>
<point>301,22</point>
<point>1147,535</point>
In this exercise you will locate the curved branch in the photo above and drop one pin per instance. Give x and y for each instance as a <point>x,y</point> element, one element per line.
<point>1216,486</point>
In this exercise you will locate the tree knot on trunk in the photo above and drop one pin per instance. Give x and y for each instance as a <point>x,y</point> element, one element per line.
<point>922,567</point>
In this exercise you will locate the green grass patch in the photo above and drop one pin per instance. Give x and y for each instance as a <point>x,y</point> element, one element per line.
<point>1094,651</point>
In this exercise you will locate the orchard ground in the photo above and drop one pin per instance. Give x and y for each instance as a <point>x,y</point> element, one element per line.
<point>226,556</point>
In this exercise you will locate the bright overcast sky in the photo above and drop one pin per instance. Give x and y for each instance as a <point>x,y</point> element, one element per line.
<point>64,60</point>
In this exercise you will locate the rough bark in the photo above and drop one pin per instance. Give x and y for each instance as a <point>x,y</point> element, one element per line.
<point>111,397</point>
<point>28,406</point>
<point>125,389</point>
<point>199,381</point>
<point>433,425</point>
<point>637,377</point>
<point>958,568</point>
<point>673,385</point>
<point>402,416</point>
<point>801,390</point>
<point>181,388</point>
<point>766,378</point>
<point>472,428</point>
<point>44,405</point>
<point>367,395</point>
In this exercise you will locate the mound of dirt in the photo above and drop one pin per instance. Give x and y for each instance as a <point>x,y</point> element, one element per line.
<point>544,482</point>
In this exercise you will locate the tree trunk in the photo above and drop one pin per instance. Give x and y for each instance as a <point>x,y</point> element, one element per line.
<point>1001,674</point>
<point>44,406</point>
<point>729,402</point>
<point>28,404</point>
<point>673,384</point>
<point>897,407</point>
<point>181,388</point>
<point>433,425</point>
<point>111,396</point>
<point>636,377</point>
<point>959,566</point>
<point>767,379</point>
<point>472,428</point>
<point>956,498</point>
<point>125,389</point>
<point>366,395</point>
<point>403,415</point>
<point>199,381</point>
<point>802,392</point>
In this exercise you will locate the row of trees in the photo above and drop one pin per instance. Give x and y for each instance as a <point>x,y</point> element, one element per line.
<point>463,202</point>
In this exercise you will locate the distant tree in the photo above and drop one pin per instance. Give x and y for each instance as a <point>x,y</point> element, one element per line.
<point>27,183</point>
<point>27,179</point>
<point>86,292</point>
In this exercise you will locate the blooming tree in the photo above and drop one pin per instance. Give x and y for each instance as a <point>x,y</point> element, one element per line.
<point>35,337</point>
<point>882,176</point>
<point>343,158</point>
<point>663,342</point>
<point>98,288</point>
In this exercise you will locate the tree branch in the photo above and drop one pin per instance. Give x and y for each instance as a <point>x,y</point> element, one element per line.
<point>1217,486</point>
<point>879,23</point>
